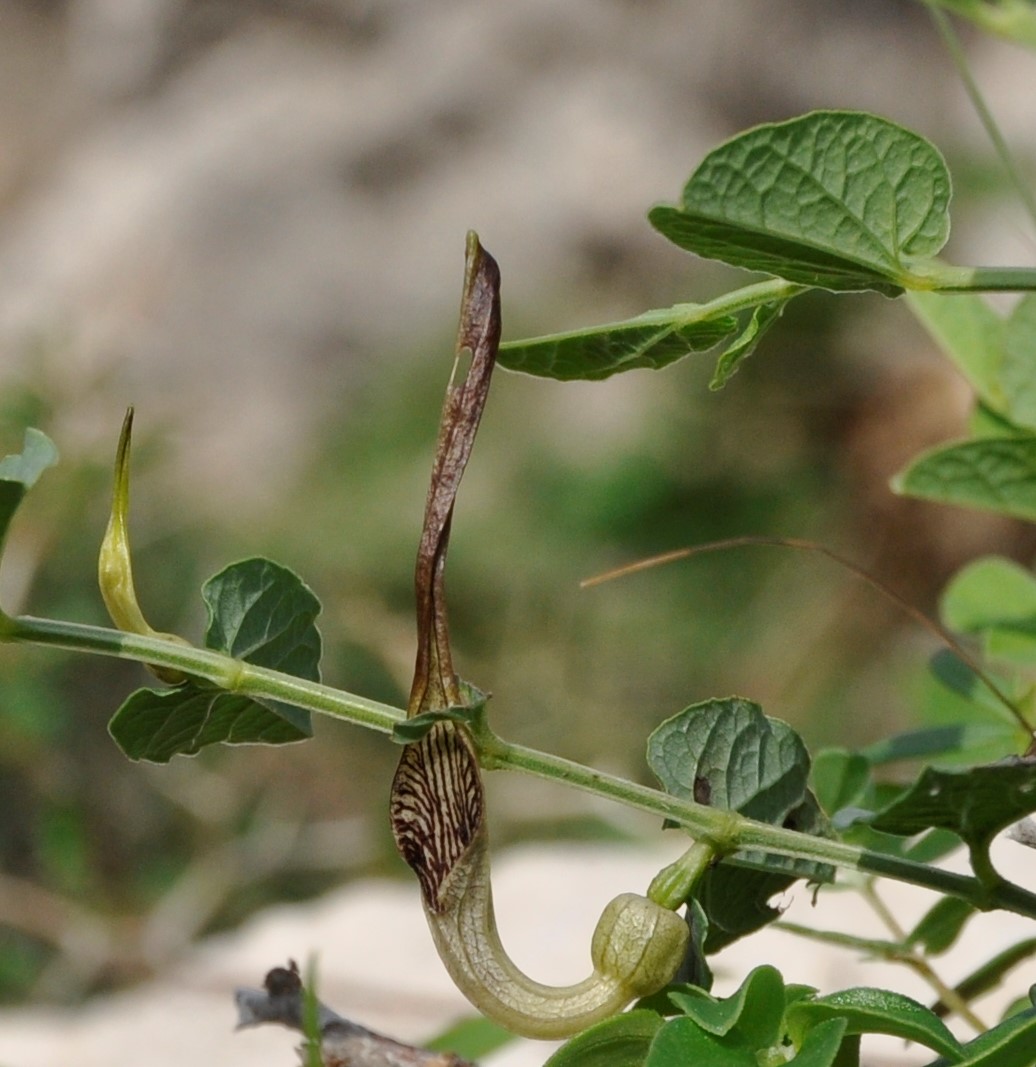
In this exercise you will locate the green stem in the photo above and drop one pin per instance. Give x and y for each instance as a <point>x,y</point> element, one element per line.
<point>733,303</point>
<point>894,952</point>
<point>215,667</point>
<point>989,123</point>
<point>727,831</point>
<point>943,278</point>
<point>672,886</point>
<point>868,946</point>
<point>1013,19</point>
<point>722,831</point>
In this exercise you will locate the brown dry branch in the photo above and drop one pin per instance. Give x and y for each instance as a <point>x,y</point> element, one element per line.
<point>342,1043</point>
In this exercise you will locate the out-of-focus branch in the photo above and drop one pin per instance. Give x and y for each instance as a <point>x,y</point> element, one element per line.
<point>342,1043</point>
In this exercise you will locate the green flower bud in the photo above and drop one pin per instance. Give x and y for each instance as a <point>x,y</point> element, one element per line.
<point>114,569</point>
<point>639,943</point>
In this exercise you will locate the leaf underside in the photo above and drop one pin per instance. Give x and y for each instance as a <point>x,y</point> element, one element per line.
<point>975,804</point>
<point>653,341</point>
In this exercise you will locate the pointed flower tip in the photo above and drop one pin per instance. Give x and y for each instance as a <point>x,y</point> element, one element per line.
<point>472,256</point>
<point>120,496</point>
<point>114,564</point>
<point>480,268</point>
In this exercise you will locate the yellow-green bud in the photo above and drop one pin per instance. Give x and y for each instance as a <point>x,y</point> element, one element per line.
<point>114,568</point>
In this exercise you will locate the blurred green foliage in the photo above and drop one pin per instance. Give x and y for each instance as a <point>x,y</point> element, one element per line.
<point>567,481</point>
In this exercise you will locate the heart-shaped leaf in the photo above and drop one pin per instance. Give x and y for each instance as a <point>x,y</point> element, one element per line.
<point>729,750</point>
<point>261,613</point>
<point>265,614</point>
<point>993,473</point>
<point>835,199</point>
<point>155,726</point>
<point>995,598</point>
<point>728,754</point>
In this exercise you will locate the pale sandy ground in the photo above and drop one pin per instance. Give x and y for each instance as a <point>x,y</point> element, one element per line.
<point>378,966</point>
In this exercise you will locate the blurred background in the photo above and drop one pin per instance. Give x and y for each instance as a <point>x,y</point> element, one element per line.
<point>247,218</point>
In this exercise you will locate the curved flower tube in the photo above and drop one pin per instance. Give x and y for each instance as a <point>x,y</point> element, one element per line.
<point>438,804</point>
<point>438,820</point>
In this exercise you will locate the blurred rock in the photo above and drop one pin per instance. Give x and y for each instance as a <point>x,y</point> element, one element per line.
<point>227,211</point>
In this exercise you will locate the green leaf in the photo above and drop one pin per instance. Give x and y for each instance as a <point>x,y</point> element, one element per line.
<point>661,1003</point>
<point>155,726</point>
<point>930,847</point>
<point>695,967</point>
<point>836,199</point>
<point>756,1010</point>
<point>840,778</point>
<point>1018,369</point>
<point>1011,1044</point>
<point>731,358</point>
<point>729,752</point>
<point>471,1038</point>
<point>971,333</point>
<point>997,598</point>
<point>743,761</point>
<point>992,591</point>
<point>19,473</point>
<point>654,339</point>
<point>1013,19</point>
<point>993,729</point>
<point>848,1052</point>
<point>985,422</point>
<point>729,749</point>
<point>265,614</point>
<point>997,355</point>
<point>682,1042</point>
<point>975,804</point>
<point>935,741</point>
<point>941,925</point>
<point>992,473</point>
<point>737,902</point>
<point>823,1044</point>
<point>1017,1007</point>
<point>261,613</point>
<point>876,1011</point>
<point>990,974</point>
<point>622,1041</point>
